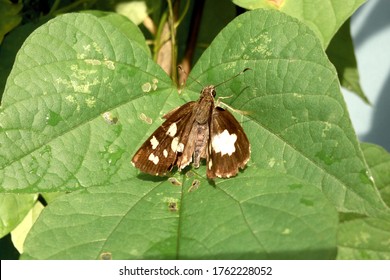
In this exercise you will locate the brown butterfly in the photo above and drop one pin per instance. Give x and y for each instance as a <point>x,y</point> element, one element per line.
<point>196,130</point>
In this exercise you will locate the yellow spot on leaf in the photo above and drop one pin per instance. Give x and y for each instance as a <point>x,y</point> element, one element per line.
<point>90,101</point>
<point>93,61</point>
<point>146,87</point>
<point>70,98</point>
<point>110,64</point>
<point>145,118</point>
<point>271,162</point>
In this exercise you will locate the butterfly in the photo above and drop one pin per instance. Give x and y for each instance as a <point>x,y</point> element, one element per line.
<point>194,131</point>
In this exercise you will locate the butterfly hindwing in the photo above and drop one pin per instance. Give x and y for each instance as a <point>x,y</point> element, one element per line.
<point>228,147</point>
<point>159,153</point>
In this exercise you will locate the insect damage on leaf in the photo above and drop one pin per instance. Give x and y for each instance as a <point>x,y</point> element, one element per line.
<point>172,206</point>
<point>174,181</point>
<point>194,186</point>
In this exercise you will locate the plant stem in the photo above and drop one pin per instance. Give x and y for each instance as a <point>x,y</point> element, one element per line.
<point>72,6</point>
<point>171,22</point>
<point>186,62</point>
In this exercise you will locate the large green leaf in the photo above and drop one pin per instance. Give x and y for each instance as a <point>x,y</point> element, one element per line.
<point>123,25</point>
<point>83,96</point>
<point>66,75</point>
<point>378,159</point>
<point>13,208</point>
<point>266,215</point>
<point>20,232</point>
<point>299,122</point>
<point>365,238</point>
<point>324,17</point>
<point>341,53</point>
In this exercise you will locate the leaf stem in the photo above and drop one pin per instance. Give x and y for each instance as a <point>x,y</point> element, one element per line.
<point>54,7</point>
<point>158,39</point>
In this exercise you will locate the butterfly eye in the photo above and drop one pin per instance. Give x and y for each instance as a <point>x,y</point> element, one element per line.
<point>213,92</point>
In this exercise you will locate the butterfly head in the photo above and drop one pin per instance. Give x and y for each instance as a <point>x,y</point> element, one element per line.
<point>208,91</point>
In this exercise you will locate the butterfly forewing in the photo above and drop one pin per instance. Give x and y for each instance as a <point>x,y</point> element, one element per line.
<point>160,151</point>
<point>228,147</point>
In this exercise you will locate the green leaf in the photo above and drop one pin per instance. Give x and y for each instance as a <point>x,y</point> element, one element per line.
<point>341,53</point>
<point>378,159</point>
<point>267,215</point>
<point>366,238</point>
<point>10,17</point>
<point>299,123</point>
<point>83,96</point>
<point>135,11</point>
<point>20,232</point>
<point>129,30</point>
<point>67,74</point>
<point>13,209</point>
<point>324,17</point>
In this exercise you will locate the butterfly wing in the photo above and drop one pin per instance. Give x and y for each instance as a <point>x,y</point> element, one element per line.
<point>159,153</point>
<point>228,147</point>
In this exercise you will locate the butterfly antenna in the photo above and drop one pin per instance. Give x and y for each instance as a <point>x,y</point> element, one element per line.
<point>182,70</point>
<point>235,76</point>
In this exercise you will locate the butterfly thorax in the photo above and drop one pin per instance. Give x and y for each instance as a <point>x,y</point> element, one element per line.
<point>205,105</point>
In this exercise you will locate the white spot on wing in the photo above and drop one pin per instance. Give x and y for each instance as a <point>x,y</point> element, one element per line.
<point>153,158</point>
<point>172,130</point>
<point>224,143</point>
<point>165,153</point>
<point>180,147</point>
<point>175,142</point>
<point>154,142</point>
<point>176,146</point>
